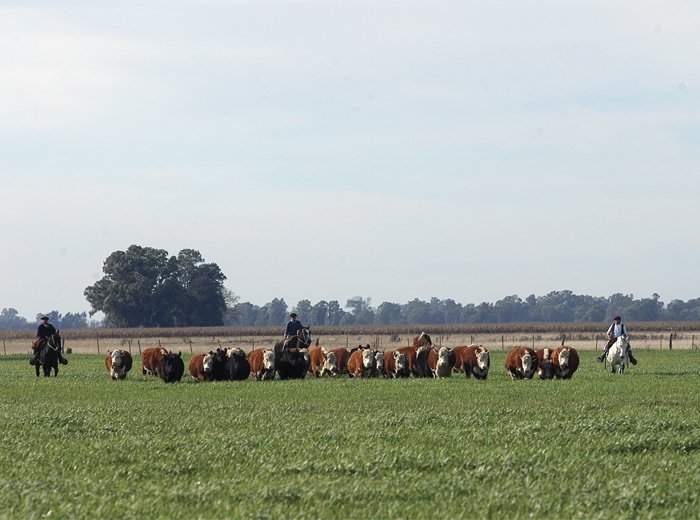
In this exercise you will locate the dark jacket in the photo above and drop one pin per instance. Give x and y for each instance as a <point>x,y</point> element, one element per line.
<point>45,331</point>
<point>293,327</point>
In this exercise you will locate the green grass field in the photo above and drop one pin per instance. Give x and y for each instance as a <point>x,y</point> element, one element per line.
<point>597,446</point>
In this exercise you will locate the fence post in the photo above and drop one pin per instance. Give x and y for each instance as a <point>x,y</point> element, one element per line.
<point>191,346</point>
<point>129,345</point>
<point>502,343</point>
<point>670,342</point>
<point>139,342</point>
<point>596,344</point>
<point>98,345</point>
<point>4,349</point>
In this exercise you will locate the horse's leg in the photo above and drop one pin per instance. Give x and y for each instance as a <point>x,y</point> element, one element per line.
<point>36,366</point>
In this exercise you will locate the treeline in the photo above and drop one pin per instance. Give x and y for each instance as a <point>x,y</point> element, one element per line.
<point>10,319</point>
<point>555,307</point>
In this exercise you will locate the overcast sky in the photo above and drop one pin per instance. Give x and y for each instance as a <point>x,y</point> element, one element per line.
<point>326,149</point>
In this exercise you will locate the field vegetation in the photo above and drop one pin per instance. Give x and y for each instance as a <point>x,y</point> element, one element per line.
<point>597,446</point>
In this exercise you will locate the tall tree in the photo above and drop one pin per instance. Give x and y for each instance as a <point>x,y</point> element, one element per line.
<point>144,287</point>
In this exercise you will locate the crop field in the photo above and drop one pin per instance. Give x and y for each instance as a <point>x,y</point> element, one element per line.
<point>596,446</point>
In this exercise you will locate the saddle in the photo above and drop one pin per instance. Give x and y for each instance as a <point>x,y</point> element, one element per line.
<point>38,344</point>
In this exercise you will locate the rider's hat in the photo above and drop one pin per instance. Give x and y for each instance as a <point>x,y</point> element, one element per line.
<point>617,318</point>
<point>293,315</point>
<point>44,318</point>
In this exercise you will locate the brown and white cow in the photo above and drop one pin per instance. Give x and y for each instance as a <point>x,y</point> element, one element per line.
<point>395,364</point>
<point>341,359</point>
<point>473,360</point>
<point>410,355</point>
<point>118,363</point>
<point>201,367</point>
<point>441,362</point>
<point>262,364</point>
<point>361,363</point>
<point>322,362</point>
<point>422,341</point>
<point>150,358</point>
<point>544,363</point>
<point>521,363</point>
<point>564,362</point>
<point>420,365</point>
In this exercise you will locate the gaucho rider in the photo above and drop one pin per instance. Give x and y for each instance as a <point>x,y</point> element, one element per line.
<point>293,326</point>
<point>43,333</point>
<point>616,329</point>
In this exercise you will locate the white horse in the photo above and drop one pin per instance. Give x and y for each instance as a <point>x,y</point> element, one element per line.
<point>617,355</point>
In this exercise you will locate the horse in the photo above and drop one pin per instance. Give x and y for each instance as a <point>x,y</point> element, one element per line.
<point>48,355</point>
<point>617,355</point>
<point>301,340</point>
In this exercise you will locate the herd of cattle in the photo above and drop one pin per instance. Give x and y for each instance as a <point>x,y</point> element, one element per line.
<point>420,360</point>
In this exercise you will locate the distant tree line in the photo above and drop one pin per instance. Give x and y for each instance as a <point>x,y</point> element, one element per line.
<point>147,287</point>
<point>10,319</point>
<point>556,306</point>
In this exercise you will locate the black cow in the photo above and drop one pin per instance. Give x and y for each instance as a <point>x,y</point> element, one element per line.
<point>237,365</point>
<point>171,367</point>
<point>292,364</point>
<point>219,371</point>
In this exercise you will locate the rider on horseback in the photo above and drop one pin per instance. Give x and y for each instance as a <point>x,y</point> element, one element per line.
<point>293,326</point>
<point>43,333</point>
<point>616,330</point>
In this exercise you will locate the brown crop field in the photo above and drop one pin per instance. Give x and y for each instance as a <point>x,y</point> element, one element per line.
<point>584,336</point>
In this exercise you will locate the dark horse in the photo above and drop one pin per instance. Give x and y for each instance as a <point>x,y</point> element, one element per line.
<point>48,355</point>
<point>301,340</point>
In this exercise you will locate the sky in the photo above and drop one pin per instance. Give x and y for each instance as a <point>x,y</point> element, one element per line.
<point>324,150</point>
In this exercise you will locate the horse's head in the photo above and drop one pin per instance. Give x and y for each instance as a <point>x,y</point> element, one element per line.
<point>55,340</point>
<point>304,336</point>
<point>623,342</point>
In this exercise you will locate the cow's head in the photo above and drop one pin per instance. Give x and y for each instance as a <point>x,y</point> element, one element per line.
<point>482,359</point>
<point>563,358</point>
<point>379,360</point>
<point>367,358</point>
<point>443,357</point>
<point>208,362</point>
<point>400,361</point>
<point>269,359</point>
<point>330,366</point>
<point>526,362</point>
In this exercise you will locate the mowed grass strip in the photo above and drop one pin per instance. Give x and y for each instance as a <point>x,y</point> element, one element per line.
<point>597,446</point>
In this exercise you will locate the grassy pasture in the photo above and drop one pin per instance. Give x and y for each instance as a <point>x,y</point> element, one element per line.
<point>597,446</point>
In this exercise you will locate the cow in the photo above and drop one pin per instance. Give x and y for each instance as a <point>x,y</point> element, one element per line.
<point>473,360</point>
<point>395,364</point>
<point>292,363</point>
<point>219,370</point>
<point>201,366</point>
<point>322,362</point>
<point>341,359</point>
<point>564,362</point>
<point>420,365</point>
<point>361,363</point>
<point>262,364</point>
<point>521,363</point>
<point>118,363</point>
<point>544,363</point>
<point>150,358</point>
<point>378,363</point>
<point>441,362</point>
<point>170,367</point>
<point>237,365</point>
<point>410,355</point>
<point>422,341</point>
